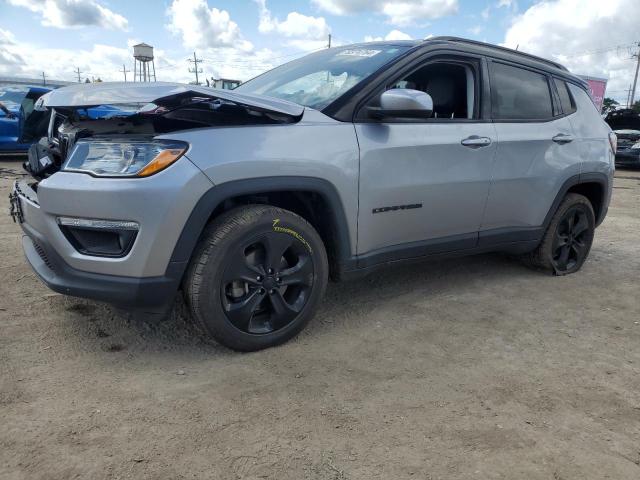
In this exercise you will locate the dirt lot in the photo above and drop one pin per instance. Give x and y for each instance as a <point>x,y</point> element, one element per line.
<point>470,368</point>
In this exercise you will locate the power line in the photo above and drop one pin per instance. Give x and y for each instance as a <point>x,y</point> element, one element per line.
<point>195,69</point>
<point>598,51</point>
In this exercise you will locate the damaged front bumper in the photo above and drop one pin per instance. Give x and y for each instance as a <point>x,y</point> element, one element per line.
<point>147,276</point>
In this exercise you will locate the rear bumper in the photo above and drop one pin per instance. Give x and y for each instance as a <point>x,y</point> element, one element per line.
<point>148,292</point>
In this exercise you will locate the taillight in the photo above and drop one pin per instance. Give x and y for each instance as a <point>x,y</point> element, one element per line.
<point>613,140</point>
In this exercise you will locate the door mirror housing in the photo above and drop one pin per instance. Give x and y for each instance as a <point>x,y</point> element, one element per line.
<point>403,103</point>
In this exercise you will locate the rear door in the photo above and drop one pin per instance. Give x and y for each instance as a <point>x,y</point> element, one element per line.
<point>535,154</point>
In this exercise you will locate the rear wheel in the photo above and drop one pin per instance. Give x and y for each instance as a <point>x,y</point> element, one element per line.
<point>257,277</point>
<point>567,241</point>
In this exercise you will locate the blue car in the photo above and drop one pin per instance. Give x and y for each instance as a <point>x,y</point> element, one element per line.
<point>24,125</point>
<point>19,101</point>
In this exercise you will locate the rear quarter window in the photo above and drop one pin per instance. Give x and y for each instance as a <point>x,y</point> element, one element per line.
<point>519,94</point>
<point>566,101</point>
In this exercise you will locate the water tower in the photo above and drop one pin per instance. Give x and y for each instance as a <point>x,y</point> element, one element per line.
<point>143,56</point>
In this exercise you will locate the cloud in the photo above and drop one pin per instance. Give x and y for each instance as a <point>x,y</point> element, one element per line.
<point>400,13</point>
<point>476,30</point>
<point>73,13</point>
<point>296,24</point>
<point>8,53</point>
<point>19,57</point>
<point>568,30</point>
<point>204,27</point>
<point>392,35</point>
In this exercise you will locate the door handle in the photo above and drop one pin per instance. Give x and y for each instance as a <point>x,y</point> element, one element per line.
<point>562,138</point>
<point>474,141</point>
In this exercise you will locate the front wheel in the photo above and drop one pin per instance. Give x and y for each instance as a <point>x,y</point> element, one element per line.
<point>567,241</point>
<point>257,277</point>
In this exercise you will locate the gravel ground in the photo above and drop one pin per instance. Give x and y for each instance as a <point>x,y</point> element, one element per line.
<point>473,368</point>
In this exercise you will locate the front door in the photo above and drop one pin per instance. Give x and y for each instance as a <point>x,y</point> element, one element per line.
<point>424,184</point>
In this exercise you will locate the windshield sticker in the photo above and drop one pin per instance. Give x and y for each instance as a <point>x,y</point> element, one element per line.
<point>360,52</point>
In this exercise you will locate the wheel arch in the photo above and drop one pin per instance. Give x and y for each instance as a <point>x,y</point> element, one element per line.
<point>302,195</point>
<point>594,186</point>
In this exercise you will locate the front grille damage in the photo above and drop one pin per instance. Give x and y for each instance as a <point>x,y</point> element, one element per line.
<point>182,111</point>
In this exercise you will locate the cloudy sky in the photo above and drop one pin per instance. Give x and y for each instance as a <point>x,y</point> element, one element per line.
<point>241,38</point>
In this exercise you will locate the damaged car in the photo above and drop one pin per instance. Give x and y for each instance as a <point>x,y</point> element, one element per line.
<point>626,125</point>
<point>20,125</point>
<point>331,166</point>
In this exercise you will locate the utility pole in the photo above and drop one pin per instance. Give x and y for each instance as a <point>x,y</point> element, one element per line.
<point>44,79</point>
<point>78,72</point>
<point>635,79</point>
<point>125,71</point>
<point>195,68</point>
<point>329,44</point>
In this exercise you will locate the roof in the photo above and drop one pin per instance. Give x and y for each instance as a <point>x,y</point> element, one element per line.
<point>487,49</point>
<point>499,50</point>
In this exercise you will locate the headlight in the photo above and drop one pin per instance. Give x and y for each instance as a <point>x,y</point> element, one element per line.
<point>636,145</point>
<point>123,158</point>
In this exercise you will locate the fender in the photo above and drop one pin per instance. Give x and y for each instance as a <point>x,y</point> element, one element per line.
<point>219,193</point>
<point>591,177</point>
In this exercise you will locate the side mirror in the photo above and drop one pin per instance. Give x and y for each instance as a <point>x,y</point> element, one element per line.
<point>403,103</point>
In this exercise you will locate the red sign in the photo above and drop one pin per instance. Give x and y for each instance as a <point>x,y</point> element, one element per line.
<point>597,87</point>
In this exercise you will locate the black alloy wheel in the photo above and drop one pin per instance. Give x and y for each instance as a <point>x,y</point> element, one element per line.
<point>567,240</point>
<point>266,282</point>
<point>572,240</point>
<point>257,277</point>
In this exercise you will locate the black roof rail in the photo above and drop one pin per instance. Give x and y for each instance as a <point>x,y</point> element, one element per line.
<point>496,47</point>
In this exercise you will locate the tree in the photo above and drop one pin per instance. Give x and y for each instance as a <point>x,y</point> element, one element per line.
<point>636,106</point>
<point>609,104</point>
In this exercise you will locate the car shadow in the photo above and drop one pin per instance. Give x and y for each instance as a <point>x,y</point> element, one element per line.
<point>119,331</point>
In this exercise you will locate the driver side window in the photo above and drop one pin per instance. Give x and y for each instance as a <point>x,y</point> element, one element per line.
<point>451,85</point>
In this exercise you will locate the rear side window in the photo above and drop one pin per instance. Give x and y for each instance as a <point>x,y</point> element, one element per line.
<point>519,94</point>
<point>567,103</point>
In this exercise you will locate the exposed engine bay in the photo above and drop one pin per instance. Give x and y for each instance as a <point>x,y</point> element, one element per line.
<point>182,111</point>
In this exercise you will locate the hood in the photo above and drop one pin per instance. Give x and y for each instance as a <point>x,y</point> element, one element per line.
<point>159,93</point>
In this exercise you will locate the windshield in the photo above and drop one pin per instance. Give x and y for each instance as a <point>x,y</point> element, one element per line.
<point>11,97</point>
<point>318,79</point>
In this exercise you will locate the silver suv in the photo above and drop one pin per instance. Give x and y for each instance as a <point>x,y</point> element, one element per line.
<point>332,165</point>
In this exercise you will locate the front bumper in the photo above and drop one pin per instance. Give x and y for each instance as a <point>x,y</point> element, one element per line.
<point>145,277</point>
<point>151,292</point>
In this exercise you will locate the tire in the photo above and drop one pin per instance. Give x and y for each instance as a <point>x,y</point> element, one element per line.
<point>232,293</point>
<point>567,241</point>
